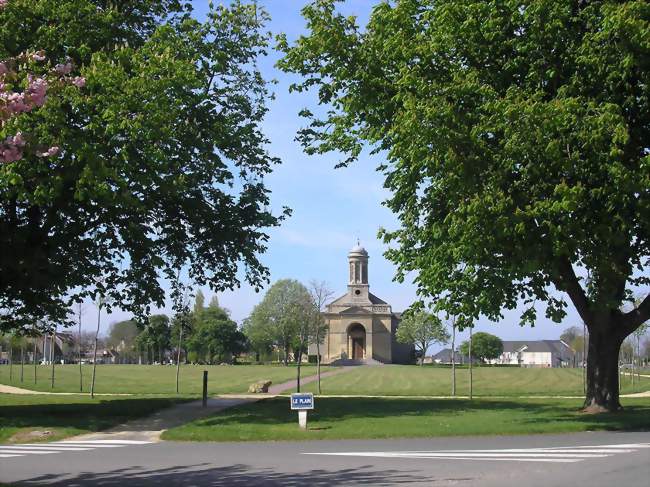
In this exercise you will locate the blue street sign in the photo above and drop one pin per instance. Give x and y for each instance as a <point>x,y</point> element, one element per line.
<point>302,401</point>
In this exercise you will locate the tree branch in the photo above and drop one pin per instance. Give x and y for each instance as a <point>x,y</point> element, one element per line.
<point>635,318</point>
<point>569,282</point>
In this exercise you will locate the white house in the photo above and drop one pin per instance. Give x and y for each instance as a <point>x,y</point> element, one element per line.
<point>540,353</point>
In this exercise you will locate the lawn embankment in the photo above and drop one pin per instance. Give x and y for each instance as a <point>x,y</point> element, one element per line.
<point>64,416</point>
<point>411,380</point>
<point>357,418</point>
<point>150,379</point>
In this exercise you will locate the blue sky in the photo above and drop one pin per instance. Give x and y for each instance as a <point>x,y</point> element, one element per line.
<point>331,207</point>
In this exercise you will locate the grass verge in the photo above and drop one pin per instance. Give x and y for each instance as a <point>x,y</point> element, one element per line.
<point>412,380</point>
<point>149,379</point>
<point>65,416</point>
<point>360,418</point>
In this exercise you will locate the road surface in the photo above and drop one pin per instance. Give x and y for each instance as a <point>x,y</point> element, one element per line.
<point>589,459</point>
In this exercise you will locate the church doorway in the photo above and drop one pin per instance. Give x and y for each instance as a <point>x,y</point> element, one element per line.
<point>357,340</point>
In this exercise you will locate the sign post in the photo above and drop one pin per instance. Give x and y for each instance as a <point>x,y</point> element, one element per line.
<point>302,402</point>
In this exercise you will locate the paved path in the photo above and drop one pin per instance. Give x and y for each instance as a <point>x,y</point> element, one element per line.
<point>5,389</point>
<point>591,459</point>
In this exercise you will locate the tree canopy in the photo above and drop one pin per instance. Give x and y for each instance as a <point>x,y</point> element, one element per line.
<point>283,317</point>
<point>484,346</point>
<point>515,138</point>
<point>422,329</point>
<point>160,163</point>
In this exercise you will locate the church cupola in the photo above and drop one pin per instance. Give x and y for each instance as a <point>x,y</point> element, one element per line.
<point>358,262</point>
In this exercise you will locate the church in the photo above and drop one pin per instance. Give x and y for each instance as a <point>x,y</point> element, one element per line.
<point>362,326</point>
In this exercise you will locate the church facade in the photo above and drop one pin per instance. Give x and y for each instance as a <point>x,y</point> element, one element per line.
<point>362,326</point>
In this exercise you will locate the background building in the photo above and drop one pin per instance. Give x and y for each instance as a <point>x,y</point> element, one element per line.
<point>362,326</point>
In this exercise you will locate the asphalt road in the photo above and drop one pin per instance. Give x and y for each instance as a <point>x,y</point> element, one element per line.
<point>589,459</point>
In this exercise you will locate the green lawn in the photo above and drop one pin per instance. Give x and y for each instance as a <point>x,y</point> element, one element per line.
<point>348,418</point>
<point>411,380</point>
<point>151,379</point>
<point>70,415</point>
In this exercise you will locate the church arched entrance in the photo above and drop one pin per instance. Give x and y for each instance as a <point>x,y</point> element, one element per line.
<point>357,341</point>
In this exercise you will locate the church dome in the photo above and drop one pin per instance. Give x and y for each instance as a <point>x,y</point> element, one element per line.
<point>358,249</point>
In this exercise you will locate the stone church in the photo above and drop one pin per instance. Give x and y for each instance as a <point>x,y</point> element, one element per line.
<point>362,326</point>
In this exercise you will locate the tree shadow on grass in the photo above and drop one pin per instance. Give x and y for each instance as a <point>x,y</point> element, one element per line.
<point>92,416</point>
<point>232,476</point>
<point>331,410</point>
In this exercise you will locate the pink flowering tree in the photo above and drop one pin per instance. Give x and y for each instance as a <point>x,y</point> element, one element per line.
<point>24,84</point>
<point>131,148</point>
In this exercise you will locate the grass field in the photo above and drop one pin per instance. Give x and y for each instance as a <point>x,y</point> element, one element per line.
<point>151,379</point>
<point>410,380</point>
<point>69,415</point>
<point>348,418</point>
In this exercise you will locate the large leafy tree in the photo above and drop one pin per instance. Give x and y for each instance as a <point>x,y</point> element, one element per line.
<point>160,161</point>
<point>155,336</point>
<point>516,138</point>
<point>216,336</point>
<point>283,316</point>
<point>485,346</point>
<point>421,329</point>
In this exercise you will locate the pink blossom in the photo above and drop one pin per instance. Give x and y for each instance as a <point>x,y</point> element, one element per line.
<point>3,67</point>
<point>10,154</point>
<point>79,82</point>
<point>52,151</point>
<point>39,56</point>
<point>36,91</point>
<point>3,3</point>
<point>63,69</point>
<point>18,140</point>
<point>15,102</point>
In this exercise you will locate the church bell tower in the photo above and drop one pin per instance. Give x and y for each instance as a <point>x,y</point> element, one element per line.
<point>358,284</point>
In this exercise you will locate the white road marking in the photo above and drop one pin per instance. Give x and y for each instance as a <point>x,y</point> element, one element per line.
<point>560,454</point>
<point>31,452</point>
<point>105,442</point>
<point>43,447</point>
<point>9,451</point>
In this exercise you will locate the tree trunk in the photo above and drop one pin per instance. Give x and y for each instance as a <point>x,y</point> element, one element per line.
<point>52,356</point>
<point>92,384</point>
<point>178,357</point>
<point>11,362</point>
<point>35,349</point>
<point>582,359</point>
<point>602,372</point>
<point>471,378</point>
<point>286,355</point>
<point>318,363</point>
<point>298,373</point>
<point>453,359</point>
<point>22,362</point>
<point>81,374</point>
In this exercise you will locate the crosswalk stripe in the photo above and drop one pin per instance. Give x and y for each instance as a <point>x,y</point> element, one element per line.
<point>559,454</point>
<point>23,449</point>
<point>31,452</point>
<point>530,450</point>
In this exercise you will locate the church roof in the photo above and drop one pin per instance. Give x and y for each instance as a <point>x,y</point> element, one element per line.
<point>375,300</point>
<point>354,310</point>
